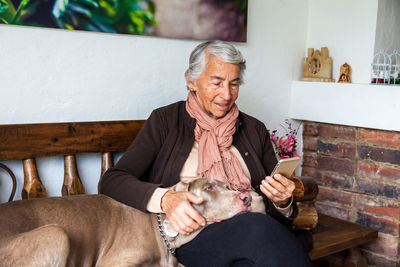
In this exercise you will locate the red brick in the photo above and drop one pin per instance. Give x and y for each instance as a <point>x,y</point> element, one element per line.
<point>310,159</point>
<point>378,206</point>
<point>332,195</point>
<point>337,131</point>
<point>344,166</point>
<point>380,224</point>
<point>378,171</point>
<point>378,188</point>
<point>310,143</point>
<point>379,261</point>
<point>310,128</point>
<point>384,244</point>
<point>379,154</point>
<point>379,137</point>
<point>341,213</point>
<point>333,179</point>
<point>329,131</point>
<point>340,149</point>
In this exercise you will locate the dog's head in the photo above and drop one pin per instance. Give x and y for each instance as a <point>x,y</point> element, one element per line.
<point>220,202</point>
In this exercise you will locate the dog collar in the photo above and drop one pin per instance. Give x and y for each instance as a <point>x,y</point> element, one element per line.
<point>161,228</point>
<point>168,230</point>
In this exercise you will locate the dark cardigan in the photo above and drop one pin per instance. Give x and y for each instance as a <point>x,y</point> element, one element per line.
<point>156,156</point>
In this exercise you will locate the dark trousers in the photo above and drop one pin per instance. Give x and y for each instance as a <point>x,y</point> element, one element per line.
<point>249,239</point>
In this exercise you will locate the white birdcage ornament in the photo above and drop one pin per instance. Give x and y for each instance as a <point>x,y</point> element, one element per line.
<point>395,67</point>
<point>380,69</point>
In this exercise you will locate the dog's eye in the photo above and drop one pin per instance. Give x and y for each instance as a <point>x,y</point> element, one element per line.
<point>210,188</point>
<point>226,186</point>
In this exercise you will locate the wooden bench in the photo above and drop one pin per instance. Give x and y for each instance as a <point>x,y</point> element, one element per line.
<point>29,141</point>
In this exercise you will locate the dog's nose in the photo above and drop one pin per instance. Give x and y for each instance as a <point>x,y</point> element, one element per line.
<point>246,198</point>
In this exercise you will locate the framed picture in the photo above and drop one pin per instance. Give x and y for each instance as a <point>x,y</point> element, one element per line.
<point>184,19</point>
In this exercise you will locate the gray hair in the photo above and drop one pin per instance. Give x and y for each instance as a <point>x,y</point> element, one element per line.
<point>222,50</point>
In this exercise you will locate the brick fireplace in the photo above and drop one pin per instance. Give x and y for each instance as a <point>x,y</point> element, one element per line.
<point>358,172</point>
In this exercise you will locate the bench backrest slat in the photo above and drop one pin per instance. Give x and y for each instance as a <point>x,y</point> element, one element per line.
<point>20,141</point>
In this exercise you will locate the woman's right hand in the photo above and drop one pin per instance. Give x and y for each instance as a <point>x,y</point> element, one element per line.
<point>180,213</point>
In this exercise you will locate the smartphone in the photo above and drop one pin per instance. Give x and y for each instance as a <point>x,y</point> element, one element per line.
<point>286,167</point>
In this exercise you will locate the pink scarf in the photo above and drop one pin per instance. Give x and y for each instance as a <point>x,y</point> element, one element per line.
<point>215,137</point>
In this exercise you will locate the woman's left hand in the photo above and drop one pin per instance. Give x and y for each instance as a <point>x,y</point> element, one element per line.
<point>279,189</point>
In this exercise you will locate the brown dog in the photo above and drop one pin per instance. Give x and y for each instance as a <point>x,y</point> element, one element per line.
<point>95,230</point>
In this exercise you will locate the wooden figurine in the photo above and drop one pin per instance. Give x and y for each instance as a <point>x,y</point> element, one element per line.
<point>345,71</point>
<point>317,66</point>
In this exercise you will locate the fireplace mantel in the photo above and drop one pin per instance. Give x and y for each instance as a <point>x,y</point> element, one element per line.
<point>361,105</point>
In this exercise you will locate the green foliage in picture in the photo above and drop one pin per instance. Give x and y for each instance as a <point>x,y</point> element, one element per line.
<point>119,16</point>
<point>243,4</point>
<point>114,16</point>
<point>8,13</point>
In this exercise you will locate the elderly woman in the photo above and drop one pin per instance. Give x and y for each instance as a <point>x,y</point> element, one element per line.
<point>207,136</point>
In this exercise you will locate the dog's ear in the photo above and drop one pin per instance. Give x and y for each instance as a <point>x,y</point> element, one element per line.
<point>183,185</point>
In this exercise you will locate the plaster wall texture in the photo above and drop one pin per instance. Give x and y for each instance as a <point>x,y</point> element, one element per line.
<point>347,28</point>
<point>387,26</point>
<point>53,75</point>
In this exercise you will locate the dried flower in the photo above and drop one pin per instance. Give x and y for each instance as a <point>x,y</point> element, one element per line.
<point>285,146</point>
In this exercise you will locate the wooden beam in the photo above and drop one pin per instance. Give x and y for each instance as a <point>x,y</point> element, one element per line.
<point>20,141</point>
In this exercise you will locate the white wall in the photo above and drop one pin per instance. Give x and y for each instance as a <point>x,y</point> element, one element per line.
<point>388,26</point>
<point>50,75</point>
<point>350,35</point>
<point>347,104</point>
<point>347,28</point>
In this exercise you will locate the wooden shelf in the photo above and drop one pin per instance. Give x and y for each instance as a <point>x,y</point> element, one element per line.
<point>361,105</point>
<point>333,235</point>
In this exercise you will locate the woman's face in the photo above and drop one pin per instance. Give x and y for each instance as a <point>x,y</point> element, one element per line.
<point>218,86</point>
